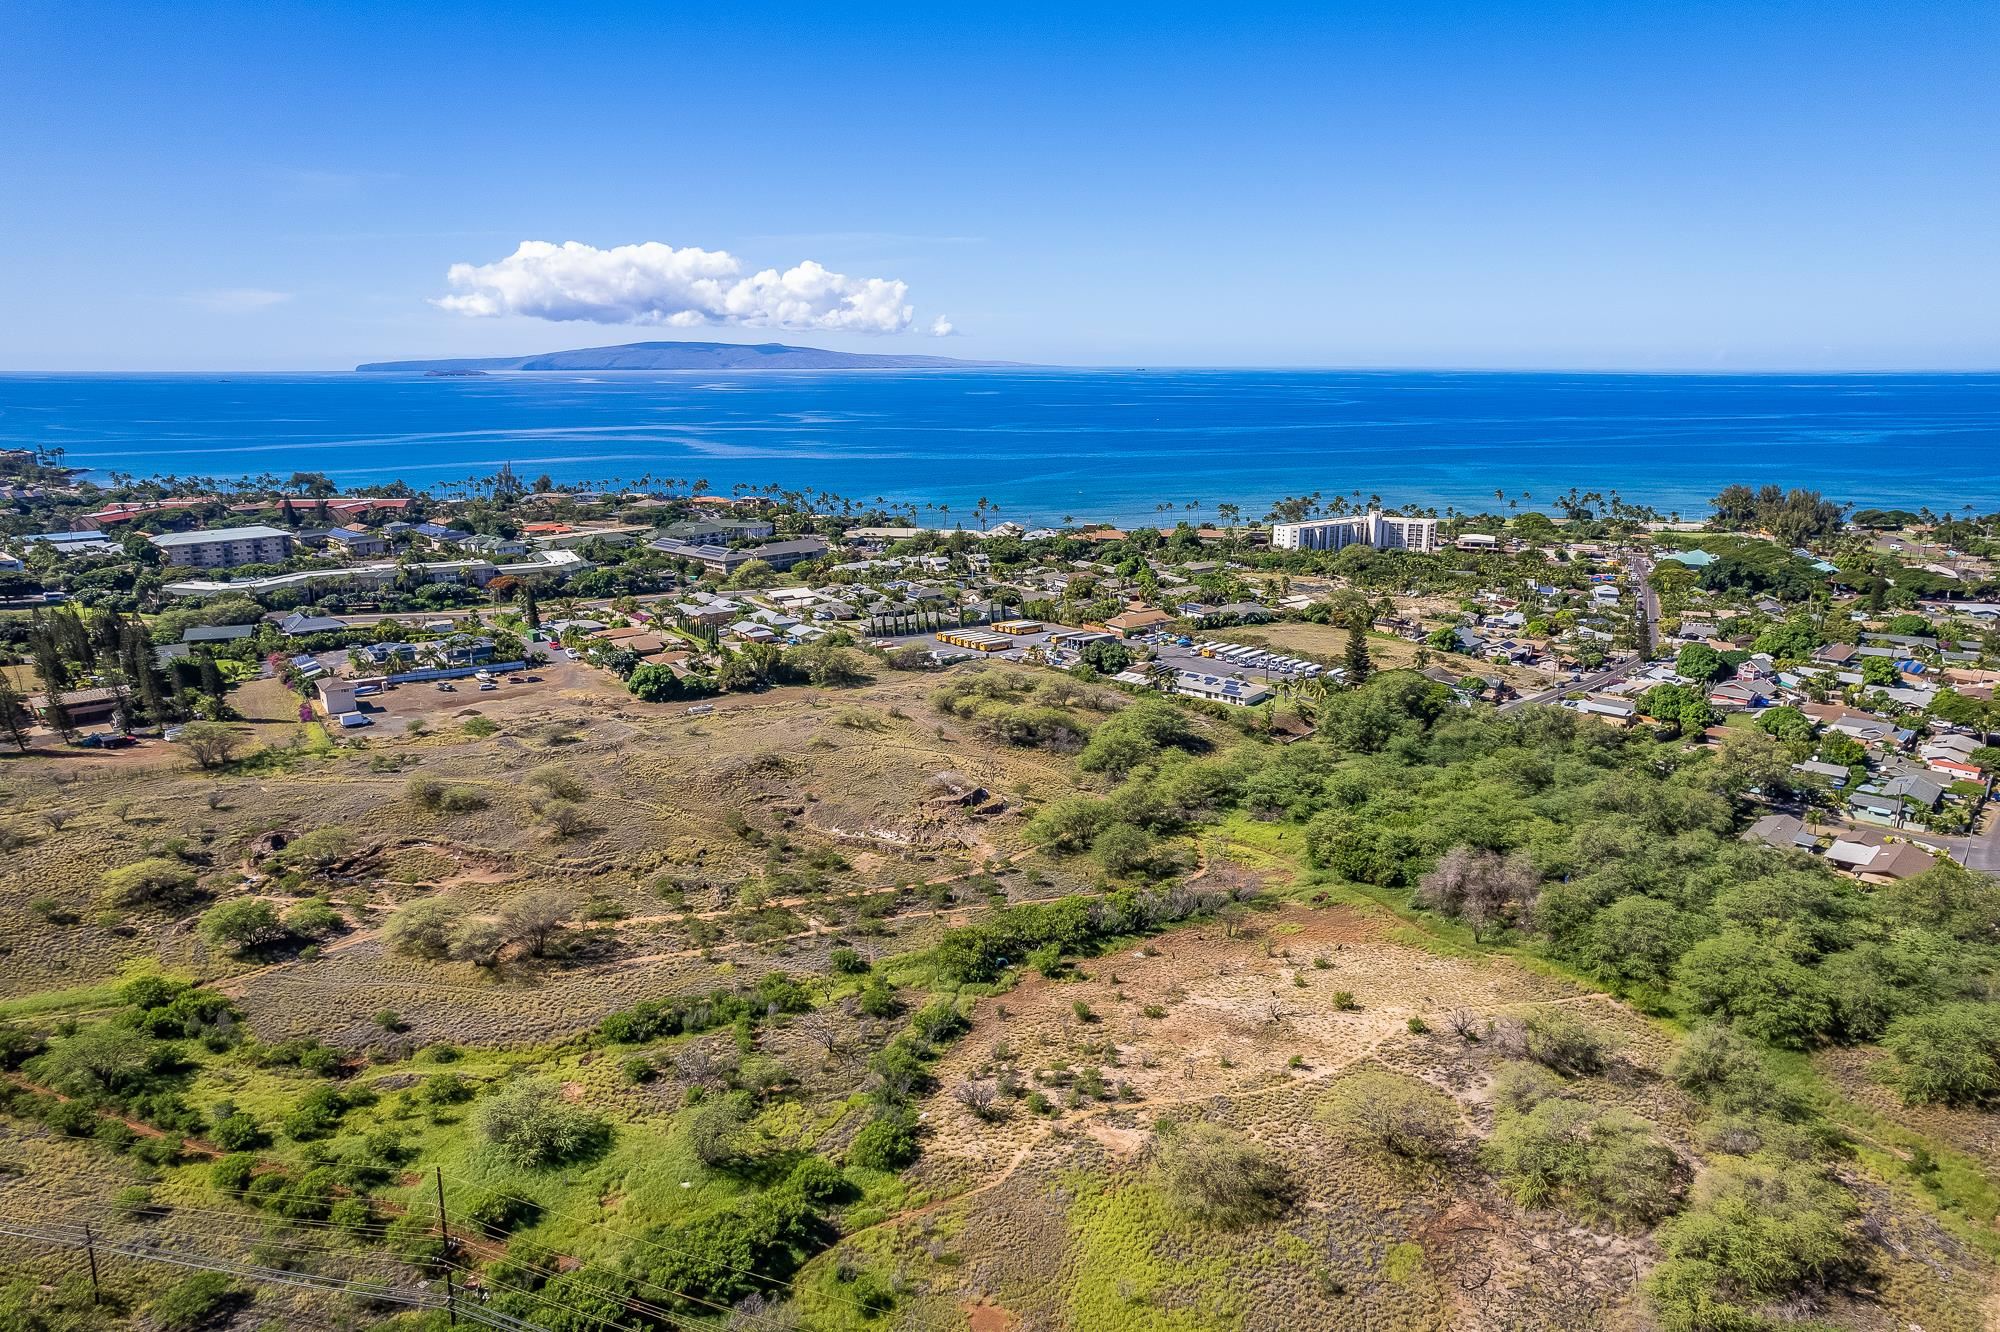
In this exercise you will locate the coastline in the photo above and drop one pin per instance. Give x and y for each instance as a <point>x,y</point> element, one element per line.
<point>1046,443</point>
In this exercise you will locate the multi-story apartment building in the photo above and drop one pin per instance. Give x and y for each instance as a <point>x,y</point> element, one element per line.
<point>225,547</point>
<point>1384,531</point>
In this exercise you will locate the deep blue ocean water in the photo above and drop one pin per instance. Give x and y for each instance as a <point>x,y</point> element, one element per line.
<point>1045,444</point>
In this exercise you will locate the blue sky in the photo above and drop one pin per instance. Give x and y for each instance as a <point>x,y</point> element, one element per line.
<point>1600,185</point>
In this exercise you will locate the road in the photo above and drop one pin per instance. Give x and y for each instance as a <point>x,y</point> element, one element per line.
<point>1980,851</point>
<point>1641,570</point>
<point>1649,600</point>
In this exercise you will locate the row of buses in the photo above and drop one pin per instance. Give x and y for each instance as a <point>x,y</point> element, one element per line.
<point>1258,659</point>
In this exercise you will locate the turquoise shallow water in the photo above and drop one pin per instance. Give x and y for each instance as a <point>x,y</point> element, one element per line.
<point>1044,444</point>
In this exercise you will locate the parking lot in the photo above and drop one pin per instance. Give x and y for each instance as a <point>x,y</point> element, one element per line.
<point>1224,659</point>
<point>1214,657</point>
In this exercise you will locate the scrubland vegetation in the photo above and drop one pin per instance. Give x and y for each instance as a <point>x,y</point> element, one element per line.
<point>1001,999</point>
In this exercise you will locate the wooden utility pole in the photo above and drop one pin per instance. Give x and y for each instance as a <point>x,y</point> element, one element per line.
<point>90,1252</point>
<point>444,1232</point>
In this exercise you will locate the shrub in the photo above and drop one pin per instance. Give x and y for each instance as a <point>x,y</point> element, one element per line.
<point>558,782</point>
<point>846,962</point>
<point>156,881</point>
<point>728,1255</point>
<point>1602,1165</point>
<point>1949,1056</point>
<point>316,1115</point>
<point>210,744</point>
<point>445,1089</point>
<point>194,1301</point>
<point>498,1214</point>
<point>1125,850</point>
<point>238,1132</point>
<point>715,1129</point>
<point>531,1125</point>
<point>314,918</point>
<point>1559,1040</point>
<point>886,1142</point>
<point>1219,1178</point>
<point>461,800</point>
<point>1520,1086</point>
<point>477,941</point>
<point>877,999</point>
<point>319,850</point>
<point>1401,1115</point>
<point>1754,1232</point>
<point>1728,1073</point>
<point>421,929</point>
<point>1480,887</point>
<point>232,1174</point>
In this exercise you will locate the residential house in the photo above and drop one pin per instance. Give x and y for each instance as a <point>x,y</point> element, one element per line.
<point>217,633</point>
<point>460,650</point>
<point>1736,696</point>
<point>1922,790</point>
<point>299,623</point>
<point>358,542</point>
<point>716,612</point>
<point>1884,811</point>
<point>83,707</point>
<point>1783,831</point>
<point>1621,710</point>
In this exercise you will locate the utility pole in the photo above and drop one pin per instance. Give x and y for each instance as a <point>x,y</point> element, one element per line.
<point>90,1252</point>
<point>444,1232</point>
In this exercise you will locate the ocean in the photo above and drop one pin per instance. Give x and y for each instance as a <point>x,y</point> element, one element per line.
<point>1044,445</point>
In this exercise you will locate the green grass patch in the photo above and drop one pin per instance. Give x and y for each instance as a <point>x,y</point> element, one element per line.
<point>1403,1262</point>
<point>1122,1282</point>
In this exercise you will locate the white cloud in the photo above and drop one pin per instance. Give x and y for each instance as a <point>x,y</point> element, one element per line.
<point>239,300</point>
<point>654,283</point>
<point>942,327</point>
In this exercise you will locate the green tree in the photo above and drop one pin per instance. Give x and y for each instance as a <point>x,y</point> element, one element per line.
<point>242,924</point>
<point>1787,723</point>
<point>1701,663</point>
<point>13,713</point>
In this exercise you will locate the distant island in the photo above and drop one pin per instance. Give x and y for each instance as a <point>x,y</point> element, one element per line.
<point>688,356</point>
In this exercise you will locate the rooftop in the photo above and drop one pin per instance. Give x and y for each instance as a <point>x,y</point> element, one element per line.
<point>202,536</point>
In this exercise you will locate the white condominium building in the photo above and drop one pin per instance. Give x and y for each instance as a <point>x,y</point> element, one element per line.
<point>1384,531</point>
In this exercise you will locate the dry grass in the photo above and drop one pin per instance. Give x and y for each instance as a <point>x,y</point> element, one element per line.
<point>1328,643</point>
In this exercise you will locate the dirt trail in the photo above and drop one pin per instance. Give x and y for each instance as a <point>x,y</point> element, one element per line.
<point>191,1146</point>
